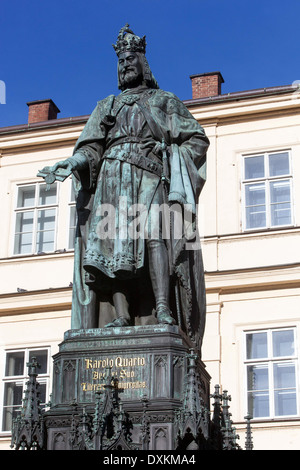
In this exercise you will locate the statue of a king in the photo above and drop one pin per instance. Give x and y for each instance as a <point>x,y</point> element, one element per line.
<point>140,154</point>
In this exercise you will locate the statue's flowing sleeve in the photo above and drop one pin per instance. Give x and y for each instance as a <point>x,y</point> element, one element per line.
<point>187,147</point>
<point>91,144</point>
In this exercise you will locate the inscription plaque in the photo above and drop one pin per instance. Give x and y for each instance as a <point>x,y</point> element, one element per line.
<point>129,371</point>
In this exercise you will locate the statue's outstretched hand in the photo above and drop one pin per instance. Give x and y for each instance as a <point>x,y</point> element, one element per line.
<point>77,162</point>
<point>66,164</point>
<point>61,170</point>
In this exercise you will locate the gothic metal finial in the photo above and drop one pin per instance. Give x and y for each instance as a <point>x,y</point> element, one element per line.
<point>28,428</point>
<point>249,440</point>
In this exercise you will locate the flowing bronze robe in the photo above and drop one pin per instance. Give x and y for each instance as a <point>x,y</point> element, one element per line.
<point>112,140</point>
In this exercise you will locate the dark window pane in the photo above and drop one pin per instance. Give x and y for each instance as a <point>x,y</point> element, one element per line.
<point>256,217</point>
<point>258,377</point>
<point>255,198</point>
<point>23,244</point>
<point>47,197</point>
<point>280,203</point>
<point>281,214</point>
<point>256,344</point>
<point>42,393</point>
<point>72,230</point>
<point>42,359</point>
<point>72,193</point>
<point>13,394</point>
<point>26,196</point>
<point>258,404</point>
<point>14,363</point>
<point>9,413</point>
<point>24,222</point>
<point>284,375</point>
<point>280,191</point>
<point>46,219</point>
<point>283,343</point>
<point>255,194</point>
<point>254,167</point>
<point>45,233</point>
<point>285,403</point>
<point>45,241</point>
<point>279,164</point>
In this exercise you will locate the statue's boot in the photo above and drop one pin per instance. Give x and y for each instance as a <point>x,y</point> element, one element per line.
<point>121,306</point>
<point>118,322</point>
<point>164,315</point>
<point>160,279</point>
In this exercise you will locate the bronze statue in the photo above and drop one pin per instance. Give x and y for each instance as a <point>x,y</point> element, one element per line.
<point>141,149</point>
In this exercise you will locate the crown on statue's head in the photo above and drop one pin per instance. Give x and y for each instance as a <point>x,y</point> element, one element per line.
<point>128,41</point>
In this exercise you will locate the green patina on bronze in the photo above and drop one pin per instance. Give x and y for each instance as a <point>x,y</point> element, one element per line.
<point>142,147</point>
<point>128,374</point>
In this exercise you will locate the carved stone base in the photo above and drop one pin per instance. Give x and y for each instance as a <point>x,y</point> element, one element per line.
<point>142,384</point>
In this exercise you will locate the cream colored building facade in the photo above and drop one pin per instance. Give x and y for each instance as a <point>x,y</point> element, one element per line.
<point>250,229</point>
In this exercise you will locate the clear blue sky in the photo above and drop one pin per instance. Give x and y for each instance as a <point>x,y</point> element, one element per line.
<point>62,49</point>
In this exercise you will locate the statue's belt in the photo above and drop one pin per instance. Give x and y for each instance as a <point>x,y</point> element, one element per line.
<point>125,140</point>
<point>138,160</point>
<point>134,158</point>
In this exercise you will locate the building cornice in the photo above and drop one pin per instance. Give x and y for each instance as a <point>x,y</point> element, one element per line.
<point>54,123</point>
<point>242,95</point>
<point>254,279</point>
<point>37,301</point>
<point>245,106</point>
<point>214,104</point>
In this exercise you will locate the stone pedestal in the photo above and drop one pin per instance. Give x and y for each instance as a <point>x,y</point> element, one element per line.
<point>148,377</point>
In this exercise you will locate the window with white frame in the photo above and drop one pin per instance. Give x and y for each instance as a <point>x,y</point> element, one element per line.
<point>267,190</point>
<point>35,218</point>
<point>72,218</point>
<point>15,378</point>
<point>271,373</point>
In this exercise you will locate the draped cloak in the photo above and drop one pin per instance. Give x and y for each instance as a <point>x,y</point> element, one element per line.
<point>113,142</point>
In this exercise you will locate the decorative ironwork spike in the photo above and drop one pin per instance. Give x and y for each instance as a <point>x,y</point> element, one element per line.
<point>145,428</point>
<point>249,440</point>
<point>28,428</point>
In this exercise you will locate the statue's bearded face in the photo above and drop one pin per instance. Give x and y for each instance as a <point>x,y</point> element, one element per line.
<point>130,70</point>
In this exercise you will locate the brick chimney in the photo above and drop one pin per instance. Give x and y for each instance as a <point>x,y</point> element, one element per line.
<point>42,110</point>
<point>205,85</point>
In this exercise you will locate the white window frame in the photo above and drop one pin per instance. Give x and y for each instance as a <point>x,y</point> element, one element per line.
<point>267,179</point>
<point>22,379</point>
<point>34,208</point>
<point>270,361</point>
<point>71,204</point>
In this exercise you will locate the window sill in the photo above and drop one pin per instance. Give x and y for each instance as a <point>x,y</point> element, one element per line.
<point>269,229</point>
<point>279,421</point>
<point>38,255</point>
<point>253,232</point>
<point>5,435</point>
